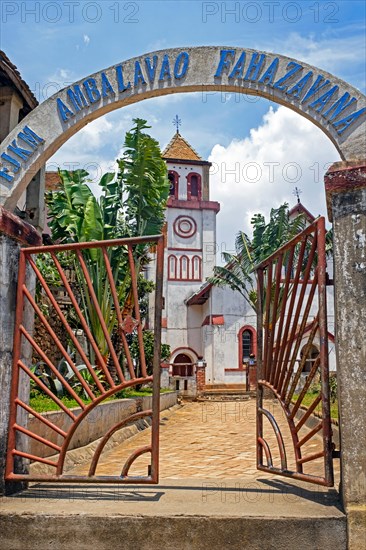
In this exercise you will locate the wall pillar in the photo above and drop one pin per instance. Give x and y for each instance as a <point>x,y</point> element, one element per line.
<point>10,105</point>
<point>35,206</point>
<point>345,185</point>
<point>13,234</point>
<point>200,377</point>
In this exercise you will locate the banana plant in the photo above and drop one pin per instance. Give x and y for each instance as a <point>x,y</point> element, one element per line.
<point>132,203</point>
<point>239,271</point>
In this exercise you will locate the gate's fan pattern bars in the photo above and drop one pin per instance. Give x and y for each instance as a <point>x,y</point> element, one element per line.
<point>89,372</point>
<point>291,314</point>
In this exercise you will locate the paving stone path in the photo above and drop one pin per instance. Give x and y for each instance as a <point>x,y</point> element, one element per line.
<point>206,440</point>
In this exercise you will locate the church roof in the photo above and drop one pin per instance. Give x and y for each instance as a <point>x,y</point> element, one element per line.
<point>299,208</point>
<point>200,296</point>
<point>179,149</point>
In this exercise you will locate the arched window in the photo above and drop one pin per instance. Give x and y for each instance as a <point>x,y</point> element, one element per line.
<point>194,186</point>
<point>184,267</point>
<point>310,358</point>
<point>172,267</point>
<point>247,344</point>
<point>196,268</point>
<point>173,178</point>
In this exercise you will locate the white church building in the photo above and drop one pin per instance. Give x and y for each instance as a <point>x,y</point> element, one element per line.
<point>202,323</point>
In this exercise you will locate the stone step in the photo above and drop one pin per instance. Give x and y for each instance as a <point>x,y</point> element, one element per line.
<point>216,394</point>
<point>222,399</point>
<point>239,387</point>
<point>185,514</point>
<point>228,392</point>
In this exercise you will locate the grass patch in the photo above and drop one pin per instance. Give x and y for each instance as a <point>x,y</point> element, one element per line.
<point>309,399</point>
<point>42,403</point>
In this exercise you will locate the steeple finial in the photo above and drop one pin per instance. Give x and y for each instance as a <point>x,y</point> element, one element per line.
<point>297,192</point>
<point>177,122</point>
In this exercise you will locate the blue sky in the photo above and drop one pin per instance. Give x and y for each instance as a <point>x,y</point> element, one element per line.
<point>54,43</point>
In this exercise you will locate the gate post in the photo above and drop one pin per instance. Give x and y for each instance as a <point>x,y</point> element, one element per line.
<point>345,185</point>
<point>200,376</point>
<point>13,234</point>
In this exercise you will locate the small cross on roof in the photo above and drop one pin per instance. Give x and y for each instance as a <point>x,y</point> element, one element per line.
<point>177,122</point>
<point>297,192</point>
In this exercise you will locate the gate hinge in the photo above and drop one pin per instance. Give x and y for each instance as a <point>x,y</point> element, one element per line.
<point>336,453</point>
<point>328,280</point>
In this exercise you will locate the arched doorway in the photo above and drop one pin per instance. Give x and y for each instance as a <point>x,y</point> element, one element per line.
<point>182,371</point>
<point>311,357</point>
<point>182,365</point>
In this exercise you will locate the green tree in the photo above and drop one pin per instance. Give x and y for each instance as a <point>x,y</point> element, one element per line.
<point>131,204</point>
<point>239,271</point>
<point>143,177</point>
<point>149,351</point>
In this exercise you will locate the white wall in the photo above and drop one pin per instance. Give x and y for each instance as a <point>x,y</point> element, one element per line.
<point>221,341</point>
<point>183,170</point>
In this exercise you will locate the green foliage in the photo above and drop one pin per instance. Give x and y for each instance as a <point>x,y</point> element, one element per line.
<point>45,374</point>
<point>42,403</point>
<point>47,377</point>
<point>314,391</point>
<point>76,384</point>
<point>239,271</point>
<point>148,338</point>
<point>131,204</point>
<point>329,243</point>
<point>49,272</point>
<point>333,388</point>
<point>315,388</point>
<point>143,176</point>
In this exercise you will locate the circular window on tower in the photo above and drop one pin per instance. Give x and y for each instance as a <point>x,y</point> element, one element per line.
<point>185,226</point>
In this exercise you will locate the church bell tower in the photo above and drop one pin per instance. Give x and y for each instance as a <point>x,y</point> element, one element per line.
<point>191,240</point>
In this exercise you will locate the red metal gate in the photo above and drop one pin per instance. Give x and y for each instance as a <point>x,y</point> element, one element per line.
<point>291,316</point>
<point>109,316</point>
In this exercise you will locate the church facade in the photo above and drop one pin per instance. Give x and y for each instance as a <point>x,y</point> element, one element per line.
<point>202,323</point>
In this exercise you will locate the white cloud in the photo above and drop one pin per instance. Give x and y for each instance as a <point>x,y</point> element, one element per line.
<point>86,39</point>
<point>55,82</point>
<point>101,141</point>
<point>96,147</point>
<point>333,54</point>
<point>249,175</point>
<point>62,76</point>
<point>261,171</point>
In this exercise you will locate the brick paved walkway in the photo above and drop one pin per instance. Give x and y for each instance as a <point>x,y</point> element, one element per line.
<point>206,440</point>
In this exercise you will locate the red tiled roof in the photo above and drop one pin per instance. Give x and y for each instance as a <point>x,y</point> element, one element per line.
<point>214,320</point>
<point>52,181</point>
<point>300,209</point>
<point>179,149</point>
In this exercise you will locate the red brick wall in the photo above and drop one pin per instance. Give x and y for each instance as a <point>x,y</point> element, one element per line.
<point>200,379</point>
